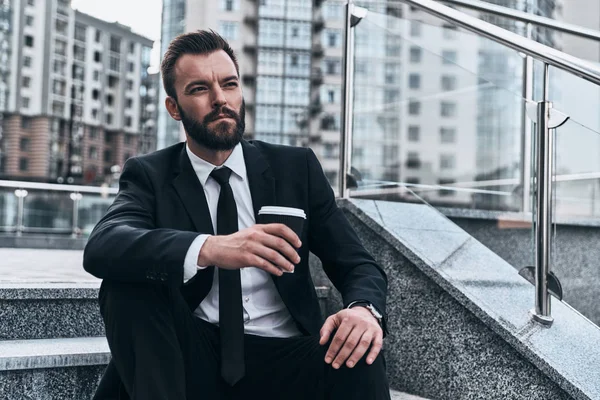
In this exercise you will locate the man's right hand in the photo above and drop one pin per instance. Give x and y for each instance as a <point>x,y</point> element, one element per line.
<point>268,247</point>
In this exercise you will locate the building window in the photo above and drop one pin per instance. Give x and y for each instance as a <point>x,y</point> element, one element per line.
<point>31,3</point>
<point>58,108</point>
<point>78,72</point>
<point>414,81</point>
<point>332,39</point>
<point>416,28</point>
<point>229,30</point>
<point>114,64</point>
<point>294,60</point>
<point>129,103</point>
<point>413,160</point>
<point>448,109</point>
<point>107,156</point>
<point>25,122</point>
<point>447,161</point>
<point>414,133</point>
<point>98,36</point>
<point>131,48</point>
<point>93,153</point>
<point>332,67</point>
<point>96,75</point>
<point>61,26</point>
<point>25,102</point>
<point>112,81</point>
<point>24,144</point>
<point>229,5</point>
<point>415,54</point>
<point>448,82</point>
<point>93,132</point>
<point>447,135</point>
<point>127,139</point>
<point>129,84</point>
<point>109,119</point>
<point>95,94</point>
<point>23,164</point>
<point>391,95</point>
<point>412,181</point>
<point>295,31</point>
<point>414,107</point>
<point>331,96</point>
<point>94,113</point>
<point>97,56</point>
<point>59,87</point>
<point>29,20</point>
<point>130,67</point>
<point>446,192</point>
<point>79,52</point>
<point>28,40</point>
<point>128,121</point>
<point>450,32</point>
<point>80,31</point>
<point>27,61</point>
<point>26,81</point>
<point>109,99</point>
<point>449,57</point>
<point>115,44</point>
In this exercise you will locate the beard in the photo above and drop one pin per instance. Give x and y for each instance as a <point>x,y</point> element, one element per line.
<point>222,136</point>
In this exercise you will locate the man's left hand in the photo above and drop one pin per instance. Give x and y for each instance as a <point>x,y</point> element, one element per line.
<point>357,330</point>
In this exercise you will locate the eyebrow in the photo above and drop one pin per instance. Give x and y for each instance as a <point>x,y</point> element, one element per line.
<point>204,82</point>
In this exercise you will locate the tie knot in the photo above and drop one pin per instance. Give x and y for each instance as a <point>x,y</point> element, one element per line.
<point>221,175</point>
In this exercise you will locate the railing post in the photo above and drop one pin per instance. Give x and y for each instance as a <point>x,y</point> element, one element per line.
<point>76,197</point>
<point>21,194</point>
<point>347,94</point>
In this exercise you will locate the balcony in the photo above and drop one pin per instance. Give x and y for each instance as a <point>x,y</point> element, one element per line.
<point>316,76</point>
<point>317,50</point>
<point>251,20</point>
<point>318,24</point>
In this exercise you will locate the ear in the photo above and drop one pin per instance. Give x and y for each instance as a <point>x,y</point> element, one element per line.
<point>172,108</point>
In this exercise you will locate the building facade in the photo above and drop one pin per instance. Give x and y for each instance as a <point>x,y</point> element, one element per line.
<point>74,110</point>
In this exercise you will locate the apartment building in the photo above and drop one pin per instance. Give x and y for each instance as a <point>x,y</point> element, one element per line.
<point>74,108</point>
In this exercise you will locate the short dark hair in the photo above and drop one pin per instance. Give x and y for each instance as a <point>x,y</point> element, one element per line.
<point>199,42</point>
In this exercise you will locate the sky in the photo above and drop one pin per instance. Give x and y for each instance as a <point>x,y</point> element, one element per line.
<point>143,16</point>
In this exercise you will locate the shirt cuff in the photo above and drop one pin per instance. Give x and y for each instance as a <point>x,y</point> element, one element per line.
<point>190,264</point>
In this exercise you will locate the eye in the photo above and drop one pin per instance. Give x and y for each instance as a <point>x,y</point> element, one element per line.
<point>197,89</point>
<point>231,84</point>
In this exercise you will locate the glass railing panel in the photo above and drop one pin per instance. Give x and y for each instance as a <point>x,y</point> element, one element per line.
<point>90,209</point>
<point>455,146</point>
<point>48,212</point>
<point>8,210</point>
<point>576,209</point>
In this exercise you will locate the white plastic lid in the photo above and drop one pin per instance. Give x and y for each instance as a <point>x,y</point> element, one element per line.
<point>294,212</point>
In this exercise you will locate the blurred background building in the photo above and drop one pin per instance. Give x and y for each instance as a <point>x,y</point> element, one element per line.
<point>79,99</point>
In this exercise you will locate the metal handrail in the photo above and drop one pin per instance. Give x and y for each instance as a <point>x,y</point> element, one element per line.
<point>57,187</point>
<point>522,16</point>
<point>583,69</point>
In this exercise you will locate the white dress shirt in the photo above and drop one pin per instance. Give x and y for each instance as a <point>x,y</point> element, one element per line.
<point>265,314</point>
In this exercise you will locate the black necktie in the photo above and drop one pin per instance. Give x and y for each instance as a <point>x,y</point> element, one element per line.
<point>231,319</point>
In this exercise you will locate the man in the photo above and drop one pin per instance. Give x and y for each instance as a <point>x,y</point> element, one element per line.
<point>198,300</point>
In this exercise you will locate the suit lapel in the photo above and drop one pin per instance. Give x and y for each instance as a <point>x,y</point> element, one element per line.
<point>191,193</point>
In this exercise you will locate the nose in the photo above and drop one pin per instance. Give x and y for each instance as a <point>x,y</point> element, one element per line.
<point>218,97</point>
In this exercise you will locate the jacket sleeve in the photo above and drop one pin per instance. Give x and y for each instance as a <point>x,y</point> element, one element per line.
<point>127,246</point>
<point>352,270</point>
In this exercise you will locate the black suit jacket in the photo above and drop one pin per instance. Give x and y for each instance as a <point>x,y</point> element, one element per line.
<point>161,208</point>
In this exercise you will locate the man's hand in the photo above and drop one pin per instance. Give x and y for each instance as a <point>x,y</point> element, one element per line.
<point>259,246</point>
<point>357,329</point>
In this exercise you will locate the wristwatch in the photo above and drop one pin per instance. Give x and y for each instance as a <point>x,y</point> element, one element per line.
<point>369,307</point>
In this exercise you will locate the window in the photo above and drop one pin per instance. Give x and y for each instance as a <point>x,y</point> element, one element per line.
<point>80,31</point>
<point>25,122</point>
<point>61,26</point>
<point>412,181</point>
<point>127,140</point>
<point>109,119</point>
<point>332,67</point>
<point>448,109</point>
<point>78,72</point>
<point>294,60</point>
<point>229,5</point>
<point>109,99</point>
<point>360,67</point>
<point>79,52</point>
<point>107,155</point>
<point>449,57</point>
<point>58,108</point>
<point>129,84</point>
<point>295,31</point>
<point>333,11</point>
<point>31,3</point>
<point>29,20</point>
<point>416,28</point>
<point>96,75</point>
<point>93,153</point>
<point>413,133</point>
<point>391,95</point>
<point>332,37</point>
<point>23,164</point>
<point>28,40</point>
<point>129,103</point>
<point>24,144</point>
<point>98,36</point>
<point>447,135</point>
<point>447,161</point>
<point>131,48</point>
<point>27,61</point>
<point>94,113</point>
<point>229,30</point>
<point>26,81</point>
<point>25,102</point>
<point>414,107</point>
<point>446,182</point>
<point>93,132</point>
<point>112,81</point>
<point>59,87</point>
<point>415,54</point>
<point>97,56</point>
<point>448,82</point>
<point>450,32</point>
<point>130,66</point>
<point>331,96</point>
<point>114,63</point>
<point>115,44</point>
<point>95,94</point>
<point>413,160</point>
<point>128,121</point>
<point>414,81</point>
<point>60,47</point>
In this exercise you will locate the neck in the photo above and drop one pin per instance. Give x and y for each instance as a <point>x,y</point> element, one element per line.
<point>215,157</point>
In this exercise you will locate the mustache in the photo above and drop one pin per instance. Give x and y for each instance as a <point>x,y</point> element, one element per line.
<point>214,115</point>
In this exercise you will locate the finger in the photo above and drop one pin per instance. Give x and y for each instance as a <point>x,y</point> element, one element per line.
<point>350,345</point>
<point>360,350</point>
<point>274,257</point>
<point>284,232</point>
<point>375,348</point>
<point>338,340</point>
<point>265,265</point>
<point>281,247</point>
<point>327,328</point>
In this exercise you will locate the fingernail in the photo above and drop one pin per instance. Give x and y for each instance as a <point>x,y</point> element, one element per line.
<point>370,360</point>
<point>327,360</point>
<point>336,365</point>
<point>350,364</point>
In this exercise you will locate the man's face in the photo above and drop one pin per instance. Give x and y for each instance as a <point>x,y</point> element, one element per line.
<point>209,100</point>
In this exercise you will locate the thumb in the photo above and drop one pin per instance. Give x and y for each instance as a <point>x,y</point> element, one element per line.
<point>327,328</point>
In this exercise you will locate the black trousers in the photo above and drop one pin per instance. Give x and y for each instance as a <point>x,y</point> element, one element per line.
<point>160,350</point>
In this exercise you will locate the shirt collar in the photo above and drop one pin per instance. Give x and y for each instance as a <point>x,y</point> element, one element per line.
<point>235,162</point>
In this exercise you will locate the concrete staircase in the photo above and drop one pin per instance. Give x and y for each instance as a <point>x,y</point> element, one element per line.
<point>52,344</point>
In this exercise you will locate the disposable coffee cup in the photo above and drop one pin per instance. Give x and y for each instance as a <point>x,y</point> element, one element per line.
<point>293,218</point>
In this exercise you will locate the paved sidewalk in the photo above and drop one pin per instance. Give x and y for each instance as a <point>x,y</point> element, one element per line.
<point>42,266</point>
